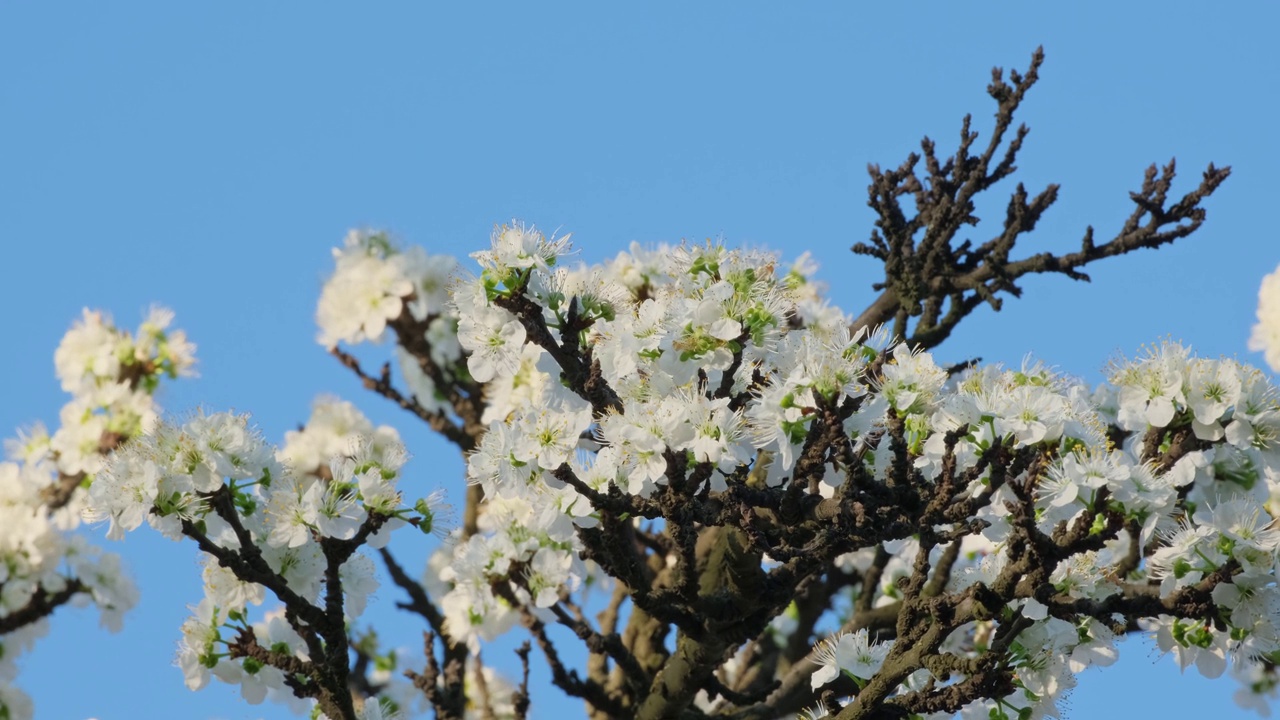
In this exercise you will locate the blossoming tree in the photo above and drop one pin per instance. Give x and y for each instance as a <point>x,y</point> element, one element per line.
<point>790,509</point>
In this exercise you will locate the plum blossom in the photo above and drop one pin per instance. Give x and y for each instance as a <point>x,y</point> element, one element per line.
<point>495,340</point>
<point>1266,332</point>
<point>851,653</point>
<point>367,290</point>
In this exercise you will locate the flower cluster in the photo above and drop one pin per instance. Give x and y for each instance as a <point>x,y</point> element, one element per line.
<point>266,520</point>
<point>374,284</point>
<point>702,307</point>
<point>700,424</point>
<point>714,361</point>
<point>112,376</point>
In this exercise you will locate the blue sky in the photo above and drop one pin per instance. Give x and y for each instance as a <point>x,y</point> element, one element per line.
<point>207,156</point>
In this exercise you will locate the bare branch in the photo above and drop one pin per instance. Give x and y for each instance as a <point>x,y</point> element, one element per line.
<point>938,281</point>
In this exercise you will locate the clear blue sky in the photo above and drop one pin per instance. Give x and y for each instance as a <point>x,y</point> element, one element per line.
<point>208,155</point>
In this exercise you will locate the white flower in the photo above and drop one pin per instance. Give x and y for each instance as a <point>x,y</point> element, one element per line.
<point>358,582</point>
<point>430,275</point>
<point>1099,649</point>
<point>1191,642</point>
<point>493,464</point>
<point>125,492</point>
<point>1030,413</point>
<point>1213,386</point>
<point>719,435</point>
<point>548,571</point>
<point>88,351</point>
<point>275,630</point>
<point>549,435</point>
<point>302,567</point>
<point>1243,521</point>
<point>199,639</point>
<point>291,512</point>
<point>778,421</point>
<point>911,380</point>
<point>378,491</point>
<point>228,447</point>
<point>1258,685</point>
<point>851,653</point>
<point>225,590</point>
<point>516,246</point>
<point>1151,387</point>
<point>14,703</point>
<point>712,313</point>
<point>496,339</point>
<point>366,290</point>
<point>338,511</point>
<point>1266,333</point>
